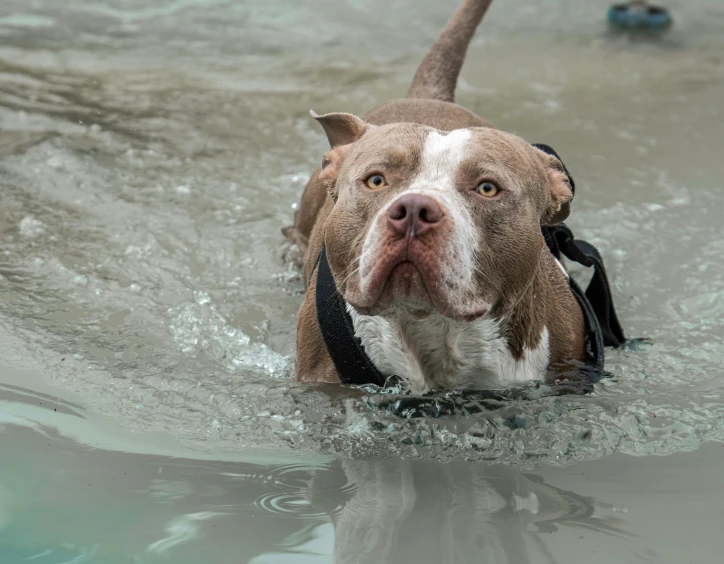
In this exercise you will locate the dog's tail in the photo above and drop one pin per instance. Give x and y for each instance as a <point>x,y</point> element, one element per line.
<point>437,75</point>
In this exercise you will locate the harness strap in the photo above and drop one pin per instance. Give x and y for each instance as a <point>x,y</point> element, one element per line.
<point>560,240</point>
<point>344,347</point>
<point>595,355</point>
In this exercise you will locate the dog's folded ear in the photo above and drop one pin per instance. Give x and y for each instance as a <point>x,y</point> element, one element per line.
<point>342,130</point>
<point>560,190</point>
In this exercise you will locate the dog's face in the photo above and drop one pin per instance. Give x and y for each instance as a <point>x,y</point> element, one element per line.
<point>427,220</point>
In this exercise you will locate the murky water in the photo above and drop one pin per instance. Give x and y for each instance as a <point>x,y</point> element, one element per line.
<point>150,154</point>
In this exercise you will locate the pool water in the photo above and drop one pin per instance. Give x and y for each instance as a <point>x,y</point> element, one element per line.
<point>150,155</point>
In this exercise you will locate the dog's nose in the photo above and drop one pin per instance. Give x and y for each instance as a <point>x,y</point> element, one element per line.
<point>414,214</point>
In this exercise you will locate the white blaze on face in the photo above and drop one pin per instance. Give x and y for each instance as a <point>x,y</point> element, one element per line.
<point>441,158</point>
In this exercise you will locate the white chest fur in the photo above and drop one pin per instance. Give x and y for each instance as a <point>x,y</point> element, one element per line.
<point>440,353</point>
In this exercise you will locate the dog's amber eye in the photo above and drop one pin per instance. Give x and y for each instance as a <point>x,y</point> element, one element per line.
<point>487,189</point>
<point>376,181</point>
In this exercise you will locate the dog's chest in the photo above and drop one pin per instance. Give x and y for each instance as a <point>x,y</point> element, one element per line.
<point>439,353</point>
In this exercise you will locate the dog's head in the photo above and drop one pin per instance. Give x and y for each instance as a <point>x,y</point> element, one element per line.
<point>429,220</point>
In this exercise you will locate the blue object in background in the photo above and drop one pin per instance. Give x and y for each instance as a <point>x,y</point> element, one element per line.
<point>652,18</point>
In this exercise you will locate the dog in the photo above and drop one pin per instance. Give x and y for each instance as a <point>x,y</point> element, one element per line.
<point>430,220</point>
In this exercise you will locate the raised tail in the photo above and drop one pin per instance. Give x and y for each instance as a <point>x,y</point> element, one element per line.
<point>437,75</point>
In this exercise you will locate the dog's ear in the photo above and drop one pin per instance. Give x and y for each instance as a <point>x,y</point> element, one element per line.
<point>342,130</point>
<point>560,190</point>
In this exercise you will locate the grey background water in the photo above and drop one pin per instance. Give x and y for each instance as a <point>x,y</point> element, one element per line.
<point>150,154</point>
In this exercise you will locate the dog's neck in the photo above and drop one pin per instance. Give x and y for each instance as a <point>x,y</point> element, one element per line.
<point>436,352</point>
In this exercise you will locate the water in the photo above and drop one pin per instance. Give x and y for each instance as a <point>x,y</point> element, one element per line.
<point>149,157</point>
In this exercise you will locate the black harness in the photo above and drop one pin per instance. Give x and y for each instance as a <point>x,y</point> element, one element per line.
<point>602,325</point>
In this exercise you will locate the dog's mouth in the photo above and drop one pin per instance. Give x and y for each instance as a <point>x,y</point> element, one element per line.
<point>410,280</point>
<point>406,281</point>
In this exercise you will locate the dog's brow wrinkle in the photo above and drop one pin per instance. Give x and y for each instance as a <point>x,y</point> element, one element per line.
<point>393,160</point>
<point>398,159</point>
<point>470,168</point>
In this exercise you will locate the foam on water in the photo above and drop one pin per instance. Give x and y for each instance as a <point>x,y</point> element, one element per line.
<point>198,326</point>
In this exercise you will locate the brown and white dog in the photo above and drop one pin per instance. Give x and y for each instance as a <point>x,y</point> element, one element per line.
<point>431,218</point>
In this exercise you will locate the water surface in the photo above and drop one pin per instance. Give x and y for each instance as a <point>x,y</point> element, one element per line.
<point>149,156</point>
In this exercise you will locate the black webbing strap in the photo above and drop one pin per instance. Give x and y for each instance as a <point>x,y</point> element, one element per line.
<point>560,240</point>
<point>595,355</point>
<point>344,347</point>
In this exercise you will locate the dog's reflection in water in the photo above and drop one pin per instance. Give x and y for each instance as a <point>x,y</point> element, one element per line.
<point>425,512</point>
